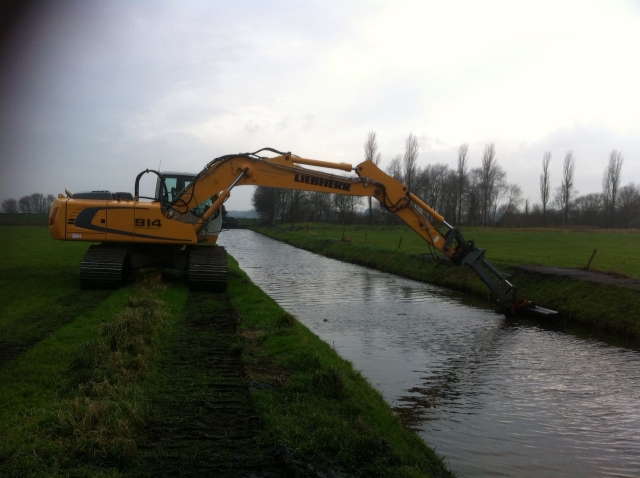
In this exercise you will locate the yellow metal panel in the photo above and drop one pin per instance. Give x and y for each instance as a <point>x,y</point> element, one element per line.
<point>120,221</point>
<point>86,220</point>
<point>57,229</point>
<point>151,226</point>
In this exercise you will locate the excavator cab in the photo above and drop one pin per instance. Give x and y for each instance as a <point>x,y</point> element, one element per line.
<point>174,184</point>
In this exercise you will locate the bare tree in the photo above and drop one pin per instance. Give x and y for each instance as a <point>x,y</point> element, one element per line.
<point>488,160</point>
<point>566,191</point>
<point>345,206</point>
<point>500,190</point>
<point>461,177</point>
<point>40,203</point>
<point>319,206</point>
<point>448,203</point>
<point>545,184</point>
<point>629,205</point>
<point>431,184</point>
<point>411,151</point>
<point>512,203</point>
<point>588,208</point>
<point>268,203</point>
<point>297,201</point>
<point>611,184</point>
<point>474,195</point>
<point>395,168</point>
<point>371,154</point>
<point>371,148</point>
<point>26,205</point>
<point>491,182</point>
<point>9,206</point>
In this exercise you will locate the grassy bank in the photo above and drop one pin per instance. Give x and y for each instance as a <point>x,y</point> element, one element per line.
<point>313,403</point>
<point>611,308</point>
<point>617,249</point>
<point>150,378</point>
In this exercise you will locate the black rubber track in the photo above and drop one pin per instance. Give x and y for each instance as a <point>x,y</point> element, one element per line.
<point>103,267</point>
<point>207,268</point>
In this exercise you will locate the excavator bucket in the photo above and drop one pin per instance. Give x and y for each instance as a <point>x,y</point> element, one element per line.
<point>541,311</point>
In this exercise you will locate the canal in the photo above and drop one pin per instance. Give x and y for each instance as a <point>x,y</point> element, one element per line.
<point>495,397</point>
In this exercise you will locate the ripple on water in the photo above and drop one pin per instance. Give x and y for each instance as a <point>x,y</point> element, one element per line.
<point>495,397</point>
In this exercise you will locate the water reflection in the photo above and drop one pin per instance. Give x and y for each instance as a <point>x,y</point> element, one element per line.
<point>496,397</point>
<point>442,389</point>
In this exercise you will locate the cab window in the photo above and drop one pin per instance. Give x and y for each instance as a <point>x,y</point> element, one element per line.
<point>175,185</point>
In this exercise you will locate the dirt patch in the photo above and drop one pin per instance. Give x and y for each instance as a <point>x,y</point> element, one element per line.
<point>38,325</point>
<point>584,275</point>
<point>203,421</point>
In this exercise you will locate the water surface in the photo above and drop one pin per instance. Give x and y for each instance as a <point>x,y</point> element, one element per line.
<point>495,397</point>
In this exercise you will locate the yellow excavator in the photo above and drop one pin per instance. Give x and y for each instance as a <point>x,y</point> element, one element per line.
<point>178,228</point>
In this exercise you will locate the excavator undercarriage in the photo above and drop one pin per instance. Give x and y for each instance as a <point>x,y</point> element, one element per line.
<point>110,265</point>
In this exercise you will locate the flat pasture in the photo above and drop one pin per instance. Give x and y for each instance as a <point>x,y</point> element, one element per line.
<point>618,250</point>
<point>38,284</point>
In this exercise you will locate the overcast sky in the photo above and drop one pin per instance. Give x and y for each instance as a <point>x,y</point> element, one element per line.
<point>93,92</point>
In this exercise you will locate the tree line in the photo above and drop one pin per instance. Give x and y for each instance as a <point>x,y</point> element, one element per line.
<point>35,203</point>
<point>469,196</point>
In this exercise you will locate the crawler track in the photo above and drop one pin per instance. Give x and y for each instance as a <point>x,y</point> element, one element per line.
<point>207,268</point>
<point>103,267</point>
<point>107,266</point>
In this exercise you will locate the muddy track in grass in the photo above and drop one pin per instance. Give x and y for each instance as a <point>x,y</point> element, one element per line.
<point>581,274</point>
<point>37,325</point>
<point>203,421</point>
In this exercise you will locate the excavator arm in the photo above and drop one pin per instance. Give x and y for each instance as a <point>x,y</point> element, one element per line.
<point>286,170</point>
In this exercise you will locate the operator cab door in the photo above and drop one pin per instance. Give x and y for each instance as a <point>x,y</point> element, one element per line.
<point>175,183</point>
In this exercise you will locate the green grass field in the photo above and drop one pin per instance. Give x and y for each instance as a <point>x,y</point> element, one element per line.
<point>39,280</point>
<point>82,373</point>
<point>617,250</point>
<point>65,395</point>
